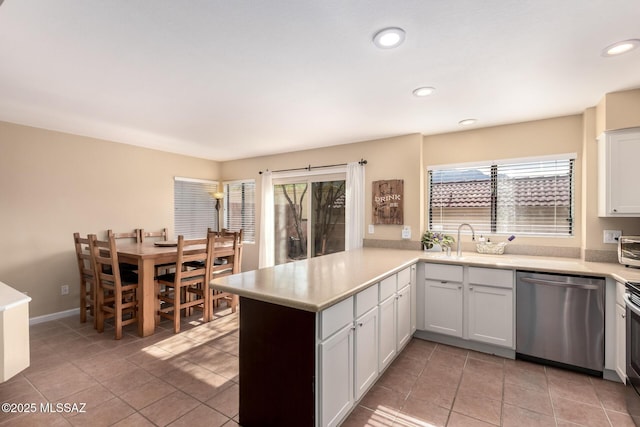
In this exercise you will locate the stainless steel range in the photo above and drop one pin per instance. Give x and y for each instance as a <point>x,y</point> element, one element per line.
<point>632,301</point>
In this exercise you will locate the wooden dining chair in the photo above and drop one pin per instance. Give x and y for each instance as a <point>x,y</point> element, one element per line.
<point>134,235</point>
<point>87,278</point>
<point>127,271</point>
<point>188,286</point>
<point>115,298</point>
<point>161,235</point>
<point>231,266</point>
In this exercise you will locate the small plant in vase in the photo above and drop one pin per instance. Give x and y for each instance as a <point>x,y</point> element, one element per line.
<point>433,241</point>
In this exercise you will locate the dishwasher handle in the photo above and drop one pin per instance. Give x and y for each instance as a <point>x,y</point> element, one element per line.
<point>556,283</point>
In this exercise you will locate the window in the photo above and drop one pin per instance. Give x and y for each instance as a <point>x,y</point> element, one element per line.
<point>240,208</point>
<point>194,207</point>
<point>531,197</point>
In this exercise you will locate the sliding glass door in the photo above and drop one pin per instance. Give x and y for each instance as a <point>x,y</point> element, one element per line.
<point>309,217</point>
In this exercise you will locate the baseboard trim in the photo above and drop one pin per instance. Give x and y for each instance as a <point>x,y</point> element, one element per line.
<point>54,316</point>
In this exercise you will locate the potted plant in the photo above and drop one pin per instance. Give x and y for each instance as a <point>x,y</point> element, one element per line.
<point>434,241</point>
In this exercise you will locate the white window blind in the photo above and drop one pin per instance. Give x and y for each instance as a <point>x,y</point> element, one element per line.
<point>240,208</point>
<point>194,207</point>
<point>523,197</point>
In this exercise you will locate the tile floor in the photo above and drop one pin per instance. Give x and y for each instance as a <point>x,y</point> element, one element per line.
<point>192,379</point>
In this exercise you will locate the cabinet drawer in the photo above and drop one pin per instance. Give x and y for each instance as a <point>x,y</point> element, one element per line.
<point>491,277</point>
<point>388,286</point>
<point>404,277</point>
<point>451,273</point>
<point>335,317</point>
<point>366,300</point>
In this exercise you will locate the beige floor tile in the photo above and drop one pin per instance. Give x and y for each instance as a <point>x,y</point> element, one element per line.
<point>478,407</point>
<point>169,408</point>
<point>147,393</point>
<point>90,399</point>
<point>420,413</point>
<point>134,420</point>
<point>105,414</point>
<point>579,413</point>
<point>380,398</point>
<point>459,420</point>
<point>513,416</point>
<point>611,394</point>
<point>438,373</point>
<point>532,400</point>
<point>619,419</point>
<point>435,393</point>
<point>419,349</point>
<point>61,381</point>
<point>227,401</point>
<point>397,380</point>
<point>36,419</point>
<point>201,415</point>
<point>482,385</point>
<point>198,382</point>
<point>487,357</point>
<point>525,377</point>
<point>363,417</point>
<point>226,342</point>
<point>121,382</point>
<point>579,391</point>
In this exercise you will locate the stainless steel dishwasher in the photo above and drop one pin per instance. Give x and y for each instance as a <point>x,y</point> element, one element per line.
<point>560,320</point>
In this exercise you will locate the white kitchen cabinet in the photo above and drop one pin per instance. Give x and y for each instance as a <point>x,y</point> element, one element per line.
<point>621,333</point>
<point>490,306</point>
<point>618,154</point>
<point>443,307</point>
<point>443,299</point>
<point>403,312</point>
<point>336,361</point>
<point>366,351</point>
<point>387,343</point>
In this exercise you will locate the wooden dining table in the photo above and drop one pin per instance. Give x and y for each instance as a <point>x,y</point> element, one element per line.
<point>146,256</point>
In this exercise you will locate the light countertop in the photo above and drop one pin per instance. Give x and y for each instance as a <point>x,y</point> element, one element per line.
<point>318,283</point>
<point>9,297</point>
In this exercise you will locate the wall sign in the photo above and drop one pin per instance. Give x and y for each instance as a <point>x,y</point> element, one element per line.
<point>388,201</point>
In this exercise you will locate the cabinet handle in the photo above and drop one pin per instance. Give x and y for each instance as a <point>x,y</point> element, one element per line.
<point>444,281</point>
<point>623,315</point>
<point>460,287</point>
<point>615,210</point>
<point>360,324</point>
<point>471,288</point>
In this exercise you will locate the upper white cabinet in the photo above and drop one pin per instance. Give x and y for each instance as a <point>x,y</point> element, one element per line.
<point>618,154</point>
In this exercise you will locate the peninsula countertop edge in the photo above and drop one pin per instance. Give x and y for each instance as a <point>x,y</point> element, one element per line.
<point>318,283</point>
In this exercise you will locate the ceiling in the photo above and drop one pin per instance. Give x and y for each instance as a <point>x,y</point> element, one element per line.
<point>223,80</point>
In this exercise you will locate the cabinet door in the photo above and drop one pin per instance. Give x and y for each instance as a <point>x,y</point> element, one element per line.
<point>387,342</point>
<point>366,354</point>
<point>336,386</point>
<point>403,331</point>
<point>491,315</point>
<point>621,347</point>
<point>443,307</point>
<point>618,153</point>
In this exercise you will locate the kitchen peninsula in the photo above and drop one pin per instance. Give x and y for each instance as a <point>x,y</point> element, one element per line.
<point>295,317</point>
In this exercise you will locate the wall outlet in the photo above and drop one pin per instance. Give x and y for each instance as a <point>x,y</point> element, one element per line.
<point>406,232</point>
<point>371,229</point>
<point>64,290</point>
<point>611,236</point>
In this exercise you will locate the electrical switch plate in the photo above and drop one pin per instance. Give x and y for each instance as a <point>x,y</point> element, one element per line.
<point>406,232</point>
<point>64,290</point>
<point>371,229</point>
<point>611,236</point>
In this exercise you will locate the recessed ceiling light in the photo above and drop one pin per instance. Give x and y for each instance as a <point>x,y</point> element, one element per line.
<point>621,47</point>
<point>388,38</point>
<point>423,91</point>
<point>467,122</point>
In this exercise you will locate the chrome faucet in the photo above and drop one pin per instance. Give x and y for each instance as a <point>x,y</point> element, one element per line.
<point>473,237</point>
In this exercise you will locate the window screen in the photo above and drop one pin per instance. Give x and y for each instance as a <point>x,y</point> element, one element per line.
<point>240,208</point>
<point>528,197</point>
<point>194,207</point>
